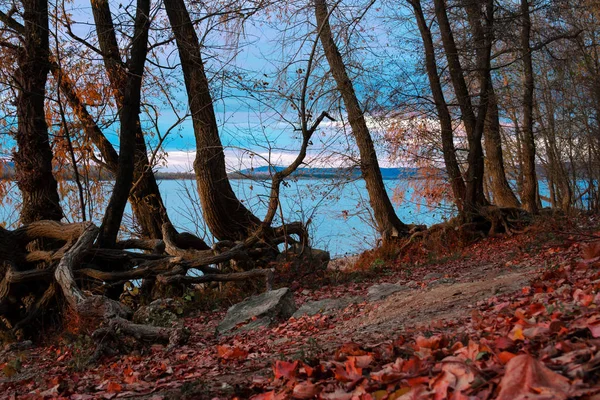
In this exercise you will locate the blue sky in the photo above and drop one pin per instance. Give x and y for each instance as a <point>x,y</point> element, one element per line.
<point>254,133</point>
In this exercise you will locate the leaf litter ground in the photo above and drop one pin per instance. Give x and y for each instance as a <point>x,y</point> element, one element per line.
<point>510,318</point>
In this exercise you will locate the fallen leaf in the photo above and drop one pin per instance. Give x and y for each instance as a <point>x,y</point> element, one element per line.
<point>527,377</point>
<point>505,356</point>
<point>113,387</point>
<point>226,352</point>
<point>284,369</point>
<point>305,390</point>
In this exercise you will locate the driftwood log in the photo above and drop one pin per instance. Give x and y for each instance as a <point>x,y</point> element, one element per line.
<point>48,267</point>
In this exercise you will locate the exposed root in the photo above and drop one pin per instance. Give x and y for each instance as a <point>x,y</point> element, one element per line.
<point>462,230</point>
<point>71,273</point>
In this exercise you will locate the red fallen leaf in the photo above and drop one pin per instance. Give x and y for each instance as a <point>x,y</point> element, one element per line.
<point>525,376</point>
<point>593,325</point>
<point>305,390</point>
<point>590,250</point>
<point>531,333</point>
<point>387,375</point>
<point>349,349</point>
<point>503,343</point>
<point>384,352</point>
<point>338,394</point>
<point>417,380</point>
<point>537,309</point>
<point>284,369</point>
<point>113,387</point>
<point>583,298</point>
<point>505,356</point>
<point>361,361</point>
<point>231,352</point>
<point>306,369</point>
<point>350,373</point>
<point>432,343</point>
<point>419,392</point>
<point>269,396</point>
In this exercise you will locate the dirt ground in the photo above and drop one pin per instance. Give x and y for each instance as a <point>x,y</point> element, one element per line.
<point>448,288</point>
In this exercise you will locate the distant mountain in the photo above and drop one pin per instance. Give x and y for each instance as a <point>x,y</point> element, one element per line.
<point>265,172</point>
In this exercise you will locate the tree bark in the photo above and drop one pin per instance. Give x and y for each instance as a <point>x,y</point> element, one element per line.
<point>33,159</point>
<point>473,123</point>
<point>530,186</point>
<point>145,198</point>
<point>454,174</point>
<point>226,217</point>
<point>129,121</point>
<point>388,223</point>
<point>502,193</point>
<point>501,190</point>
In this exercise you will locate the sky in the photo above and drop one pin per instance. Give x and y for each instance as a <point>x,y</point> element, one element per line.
<point>252,129</point>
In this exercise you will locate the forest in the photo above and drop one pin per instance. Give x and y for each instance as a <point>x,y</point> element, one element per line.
<point>491,107</point>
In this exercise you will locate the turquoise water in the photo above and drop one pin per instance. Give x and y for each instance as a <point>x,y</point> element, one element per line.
<point>338,215</point>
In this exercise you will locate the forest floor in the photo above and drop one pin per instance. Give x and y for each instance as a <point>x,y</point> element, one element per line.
<point>505,317</point>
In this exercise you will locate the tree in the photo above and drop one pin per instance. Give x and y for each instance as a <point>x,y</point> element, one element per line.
<point>473,122</point>
<point>530,186</point>
<point>446,130</point>
<point>33,158</point>
<point>503,194</point>
<point>129,98</point>
<point>226,217</point>
<point>388,223</point>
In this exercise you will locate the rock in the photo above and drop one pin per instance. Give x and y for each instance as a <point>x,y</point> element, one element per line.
<point>19,346</point>
<point>433,275</point>
<point>305,259</point>
<point>325,306</point>
<point>383,290</point>
<point>161,312</point>
<point>260,310</point>
<point>411,284</point>
<point>443,281</point>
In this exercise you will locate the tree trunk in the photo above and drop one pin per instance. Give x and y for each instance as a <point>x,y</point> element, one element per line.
<point>473,123</point>
<point>129,125</point>
<point>33,159</point>
<point>503,194</point>
<point>145,198</point>
<point>226,217</point>
<point>529,194</point>
<point>454,174</point>
<point>388,223</point>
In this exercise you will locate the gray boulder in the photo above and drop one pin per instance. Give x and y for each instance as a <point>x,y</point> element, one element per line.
<point>162,312</point>
<point>433,275</point>
<point>325,306</point>
<point>260,310</point>
<point>443,281</point>
<point>383,290</point>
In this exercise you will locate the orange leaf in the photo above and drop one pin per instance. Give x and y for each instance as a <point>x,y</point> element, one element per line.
<point>361,361</point>
<point>516,333</point>
<point>349,349</point>
<point>506,356</point>
<point>113,387</point>
<point>231,352</point>
<point>590,250</point>
<point>526,376</point>
<point>284,369</point>
<point>432,343</point>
